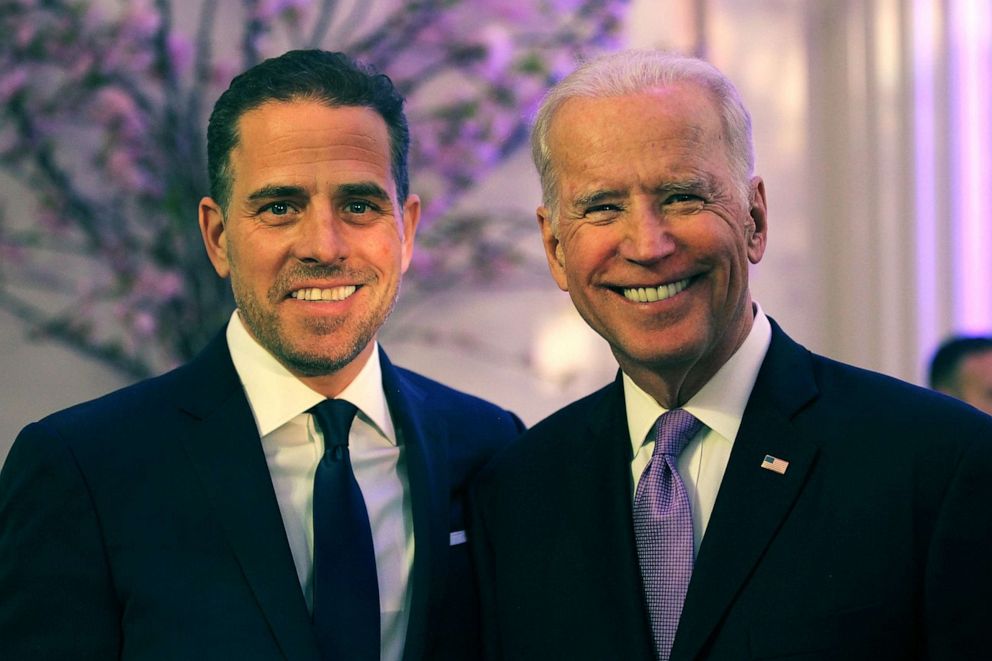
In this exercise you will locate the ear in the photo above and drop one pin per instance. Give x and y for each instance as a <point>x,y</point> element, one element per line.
<point>757,236</point>
<point>552,248</point>
<point>214,234</point>
<point>411,219</point>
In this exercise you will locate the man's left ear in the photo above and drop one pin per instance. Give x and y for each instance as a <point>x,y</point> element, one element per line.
<point>757,233</point>
<point>411,219</point>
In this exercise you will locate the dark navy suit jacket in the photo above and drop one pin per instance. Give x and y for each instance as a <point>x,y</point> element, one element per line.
<point>875,544</point>
<point>144,525</point>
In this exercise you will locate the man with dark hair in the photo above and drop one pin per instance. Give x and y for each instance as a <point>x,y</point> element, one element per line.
<point>289,493</point>
<point>962,367</point>
<point>731,495</point>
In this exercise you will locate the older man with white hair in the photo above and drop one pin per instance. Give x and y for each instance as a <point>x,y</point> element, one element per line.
<point>730,495</point>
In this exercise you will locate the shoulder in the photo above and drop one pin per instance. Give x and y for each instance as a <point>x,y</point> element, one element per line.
<point>579,414</point>
<point>194,388</point>
<point>843,408</point>
<point>146,410</point>
<point>791,374</point>
<point>865,392</point>
<point>113,410</point>
<point>432,397</point>
<point>556,436</point>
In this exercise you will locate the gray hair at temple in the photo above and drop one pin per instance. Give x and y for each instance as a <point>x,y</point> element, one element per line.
<point>632,71</point>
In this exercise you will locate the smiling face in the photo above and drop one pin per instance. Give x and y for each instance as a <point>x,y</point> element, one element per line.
<point>314,241</point>
<point>653,238</point>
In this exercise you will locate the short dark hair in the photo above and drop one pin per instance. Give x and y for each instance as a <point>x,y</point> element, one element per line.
<point>948,357</point>
<point>313,75</point>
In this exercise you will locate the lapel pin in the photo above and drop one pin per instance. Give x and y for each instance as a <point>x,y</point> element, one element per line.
<point>775,464</point>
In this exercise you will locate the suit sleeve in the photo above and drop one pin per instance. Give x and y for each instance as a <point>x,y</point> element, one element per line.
<point>57,594</point>
<point>958,587</point>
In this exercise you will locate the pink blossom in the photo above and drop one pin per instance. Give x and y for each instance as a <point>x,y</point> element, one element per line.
<point>120,309</point>
<point>94,17</point>
<point>144,324</point>
<point>12,82</point>
<point>122,167</point>
<point>564,7</point>
<point>25,33</point>
<point>117,108</point>
<point>223,71</point>
<point>499,50</point>
<point>81,65</point>
<point>266,10</point>
<point>154,284</point>
<point>140,21</point>
<point>180,52</point>
<point>514,11</point>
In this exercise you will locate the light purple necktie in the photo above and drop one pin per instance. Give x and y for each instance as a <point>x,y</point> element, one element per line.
<point>663,528</point>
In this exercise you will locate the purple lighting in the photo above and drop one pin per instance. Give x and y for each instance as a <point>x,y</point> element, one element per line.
<point>970,44</point>
<point>924,120</point>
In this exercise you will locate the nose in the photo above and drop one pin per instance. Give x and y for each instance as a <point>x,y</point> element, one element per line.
<point>647,237</point>
<point>322,238</point>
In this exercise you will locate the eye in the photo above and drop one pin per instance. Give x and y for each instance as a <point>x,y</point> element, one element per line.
<point>680,198</point>
<point>599,209</point>
<point>358,206</point>
<point>276,208</point>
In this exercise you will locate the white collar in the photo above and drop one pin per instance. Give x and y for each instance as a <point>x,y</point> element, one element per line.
<point>720,403</point>
<point>276,396</point>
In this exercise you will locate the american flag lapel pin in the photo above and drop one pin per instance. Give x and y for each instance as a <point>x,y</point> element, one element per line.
<point>775,464</point>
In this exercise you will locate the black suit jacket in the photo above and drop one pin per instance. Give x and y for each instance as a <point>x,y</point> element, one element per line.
<point>876,543</point>
<point>144,525</point>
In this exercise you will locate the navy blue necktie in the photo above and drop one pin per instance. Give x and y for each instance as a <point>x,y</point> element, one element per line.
<point>345,586</point>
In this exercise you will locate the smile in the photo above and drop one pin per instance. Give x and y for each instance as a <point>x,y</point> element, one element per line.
<point>316,294</point>
<point>651,294</point>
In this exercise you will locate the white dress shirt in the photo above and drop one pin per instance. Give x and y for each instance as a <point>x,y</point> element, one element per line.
<point>293,446</point>
<point>719,405</point>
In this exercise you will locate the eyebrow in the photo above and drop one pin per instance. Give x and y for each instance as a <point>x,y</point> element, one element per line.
<point>689,185</point>
<point>596,197</point>
<point>363,189</point>
<point>269,192</point>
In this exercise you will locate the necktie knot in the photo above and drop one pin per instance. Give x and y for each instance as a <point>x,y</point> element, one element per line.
<point>673,431</point>
<point>334,417</point>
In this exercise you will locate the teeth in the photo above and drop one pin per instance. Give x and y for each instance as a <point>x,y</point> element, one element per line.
<point>650,294</point>
<point>332,294</point>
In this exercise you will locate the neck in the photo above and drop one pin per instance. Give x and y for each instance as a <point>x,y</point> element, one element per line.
<point>674,382</point>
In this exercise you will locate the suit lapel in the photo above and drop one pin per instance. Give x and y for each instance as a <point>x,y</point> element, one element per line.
<point>224,448</point>
<point>597,536</point>
<point>752,502</point>
<point>427,473</point>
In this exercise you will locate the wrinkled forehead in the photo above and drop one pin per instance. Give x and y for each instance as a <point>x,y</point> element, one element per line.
<point>680,113</point>
<point>669,129</point>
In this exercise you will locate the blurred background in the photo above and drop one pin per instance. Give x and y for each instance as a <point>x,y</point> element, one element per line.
<point>871,123</point>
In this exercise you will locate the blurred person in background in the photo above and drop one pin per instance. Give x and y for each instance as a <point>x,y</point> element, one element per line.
<point>962,367</point>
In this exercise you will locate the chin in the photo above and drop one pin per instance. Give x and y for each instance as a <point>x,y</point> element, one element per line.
<point>318,364</point>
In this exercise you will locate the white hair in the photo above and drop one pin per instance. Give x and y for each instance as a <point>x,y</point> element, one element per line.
<point>633,71</point>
